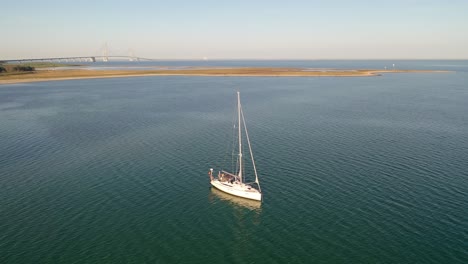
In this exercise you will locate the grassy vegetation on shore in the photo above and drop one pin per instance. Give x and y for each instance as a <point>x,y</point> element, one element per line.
<point>30,66</point>
<point>20,69</point>
<point>14,69</point>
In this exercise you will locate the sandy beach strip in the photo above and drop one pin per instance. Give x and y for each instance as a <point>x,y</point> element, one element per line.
<point>74,74</point>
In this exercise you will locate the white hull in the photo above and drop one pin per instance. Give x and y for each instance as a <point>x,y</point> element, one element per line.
<point>247,203</point>
<point>238,189</point>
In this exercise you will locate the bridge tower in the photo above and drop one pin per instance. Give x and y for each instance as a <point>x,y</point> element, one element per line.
<point>131,55</point>
<point>105,53</point>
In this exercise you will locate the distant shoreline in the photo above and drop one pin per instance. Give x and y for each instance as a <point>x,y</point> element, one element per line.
<point>58,74</point>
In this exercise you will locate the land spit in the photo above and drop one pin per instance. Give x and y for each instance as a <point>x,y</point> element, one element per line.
<point>57,74</point>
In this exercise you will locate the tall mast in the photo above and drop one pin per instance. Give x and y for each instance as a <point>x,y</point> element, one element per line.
<point>240,135</point>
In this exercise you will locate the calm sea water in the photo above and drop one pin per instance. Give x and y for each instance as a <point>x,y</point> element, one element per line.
<point>353,170</point>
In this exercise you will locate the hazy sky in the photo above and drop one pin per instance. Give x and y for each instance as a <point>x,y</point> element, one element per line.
<point>172,29</point>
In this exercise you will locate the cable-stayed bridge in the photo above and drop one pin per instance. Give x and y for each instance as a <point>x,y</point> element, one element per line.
<point>79,59</point>
<point>104,57</point>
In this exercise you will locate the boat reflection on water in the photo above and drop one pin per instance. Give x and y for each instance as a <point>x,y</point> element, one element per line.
<point>238,201</point>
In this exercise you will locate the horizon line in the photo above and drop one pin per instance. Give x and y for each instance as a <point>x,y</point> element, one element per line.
<point>258,59</point>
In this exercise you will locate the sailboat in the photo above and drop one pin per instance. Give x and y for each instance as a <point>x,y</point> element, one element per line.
<point>235,183</point>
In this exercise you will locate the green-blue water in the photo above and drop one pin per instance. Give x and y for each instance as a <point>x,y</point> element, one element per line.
<point>353,170</point>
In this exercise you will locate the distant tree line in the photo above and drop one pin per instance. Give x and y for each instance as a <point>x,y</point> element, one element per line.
<point>16,68</point>
<point>23,68</point>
